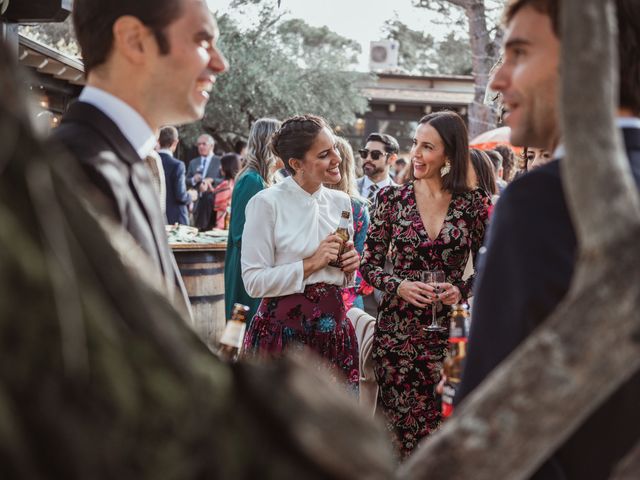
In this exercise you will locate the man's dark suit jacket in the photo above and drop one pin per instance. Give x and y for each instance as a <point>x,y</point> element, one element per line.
<point>177,196</point>
<point>213,171</point>
<point>116,170</point>
<point>523,275</point>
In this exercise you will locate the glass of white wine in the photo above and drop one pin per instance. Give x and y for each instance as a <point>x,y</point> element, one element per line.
<point>434,278</point>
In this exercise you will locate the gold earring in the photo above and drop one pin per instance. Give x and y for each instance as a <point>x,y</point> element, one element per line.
<point>445,169</point>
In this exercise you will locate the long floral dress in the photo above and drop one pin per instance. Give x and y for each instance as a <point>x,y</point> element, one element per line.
<point>407,358</point>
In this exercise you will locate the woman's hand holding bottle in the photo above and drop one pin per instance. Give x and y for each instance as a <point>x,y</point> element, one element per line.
<point>327,251</point>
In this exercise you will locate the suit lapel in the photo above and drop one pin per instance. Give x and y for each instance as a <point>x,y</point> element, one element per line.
<point>140,182</point>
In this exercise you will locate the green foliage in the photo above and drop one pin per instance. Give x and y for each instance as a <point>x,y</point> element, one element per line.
<point>421,54</point>
<point>277,69</point>
<point>453,55</point>
<point>416,48</point>
<point>55,35</point>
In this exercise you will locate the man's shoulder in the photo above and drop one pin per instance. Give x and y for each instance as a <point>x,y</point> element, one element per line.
<point>169,159</point>
<point>535,186</point>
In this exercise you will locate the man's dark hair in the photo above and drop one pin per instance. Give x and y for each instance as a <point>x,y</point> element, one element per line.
<point>239,146</point>
<point>628,13</point>
<point>390,143</point>
<point>550,8</point>
<point>93,23</point>
<point>455,137</point>
<point>167,136</point>
<point>401,161</point>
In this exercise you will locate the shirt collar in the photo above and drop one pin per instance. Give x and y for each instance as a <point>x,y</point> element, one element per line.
<point>167,151</point>
<point>621,122</point>
<point>381,184</point>
<point>128,120</point>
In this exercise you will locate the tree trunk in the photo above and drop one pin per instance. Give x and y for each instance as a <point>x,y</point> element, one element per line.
<point>591,343</point>
<point>481,116</point>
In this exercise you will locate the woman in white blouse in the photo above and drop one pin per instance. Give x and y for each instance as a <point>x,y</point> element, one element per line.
<point>287,244</point>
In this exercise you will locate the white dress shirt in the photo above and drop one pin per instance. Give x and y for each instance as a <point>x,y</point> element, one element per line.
<point>284,225</point>
<point>366,183</point>
<point>131,124</point>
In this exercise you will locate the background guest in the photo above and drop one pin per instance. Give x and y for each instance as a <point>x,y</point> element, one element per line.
<point>287,245</point>
<point>434,222</point>
<point>177,198</point>
<point>229,166</point>
<point>360,215</point>
<point>378,154</point>
<point>508,161</point>
<point>498,170</point>
<point>483,167</point>
<point>206,165</point>
<point>255,175</point>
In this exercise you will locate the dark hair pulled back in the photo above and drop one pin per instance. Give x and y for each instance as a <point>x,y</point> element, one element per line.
<point>295,136</point>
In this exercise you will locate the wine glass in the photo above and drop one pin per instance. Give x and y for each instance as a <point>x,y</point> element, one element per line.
<point>434,278</point>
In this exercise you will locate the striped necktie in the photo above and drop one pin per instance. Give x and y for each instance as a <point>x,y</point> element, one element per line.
<point>373,189</point>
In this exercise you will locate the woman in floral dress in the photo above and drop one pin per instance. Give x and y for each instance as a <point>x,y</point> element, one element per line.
<point>431,223</point>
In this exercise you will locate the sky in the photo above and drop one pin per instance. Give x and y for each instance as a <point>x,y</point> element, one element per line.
<point>360,20</point>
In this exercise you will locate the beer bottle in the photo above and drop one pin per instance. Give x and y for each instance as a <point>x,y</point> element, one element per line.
<point>227,218</point>
<point>233,335</point>
<point>454,363</point>
<point>343,233</point>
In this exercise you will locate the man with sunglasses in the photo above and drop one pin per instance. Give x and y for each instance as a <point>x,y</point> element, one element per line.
<point>379,153</point>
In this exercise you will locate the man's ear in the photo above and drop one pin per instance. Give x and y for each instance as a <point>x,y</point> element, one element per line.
<point>392,159</point>
<point>131,39</point>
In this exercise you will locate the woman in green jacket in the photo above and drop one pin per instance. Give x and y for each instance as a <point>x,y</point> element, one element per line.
<point>256,175</point>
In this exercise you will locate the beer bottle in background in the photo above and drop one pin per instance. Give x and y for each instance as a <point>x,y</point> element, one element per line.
<point>454,363</point>
<point>227,218</point>
<point>233,335</point>
<point>343,233</point>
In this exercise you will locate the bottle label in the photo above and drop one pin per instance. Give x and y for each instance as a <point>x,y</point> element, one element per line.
<point>448,394</point>
<point>233,334</point>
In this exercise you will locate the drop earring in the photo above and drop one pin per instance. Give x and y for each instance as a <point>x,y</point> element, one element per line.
<point>445,169</point>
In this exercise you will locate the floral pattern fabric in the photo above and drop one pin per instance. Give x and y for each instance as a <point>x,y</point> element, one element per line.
<point>314,319</point>
<point>407,358</point>
<point>353,296</point>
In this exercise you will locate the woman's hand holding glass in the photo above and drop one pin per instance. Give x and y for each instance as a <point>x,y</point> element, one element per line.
<point>444,292</point>
<point>414,293</point>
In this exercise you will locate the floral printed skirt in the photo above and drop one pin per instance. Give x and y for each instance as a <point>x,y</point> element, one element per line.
<point>314,319</point>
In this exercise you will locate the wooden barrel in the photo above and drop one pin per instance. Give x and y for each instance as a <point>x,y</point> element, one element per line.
<point>203,275</point>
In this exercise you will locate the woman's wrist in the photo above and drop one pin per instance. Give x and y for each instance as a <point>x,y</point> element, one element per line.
<point>400,286</point>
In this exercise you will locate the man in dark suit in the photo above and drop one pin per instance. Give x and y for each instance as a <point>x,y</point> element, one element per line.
<point>206,166</point>
<point>153,65</point>
<point>528,263</point>
<point>177,198</point>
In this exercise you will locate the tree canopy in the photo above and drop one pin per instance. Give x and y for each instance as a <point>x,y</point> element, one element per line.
<point>279,68</point>
<point>421,54</point>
